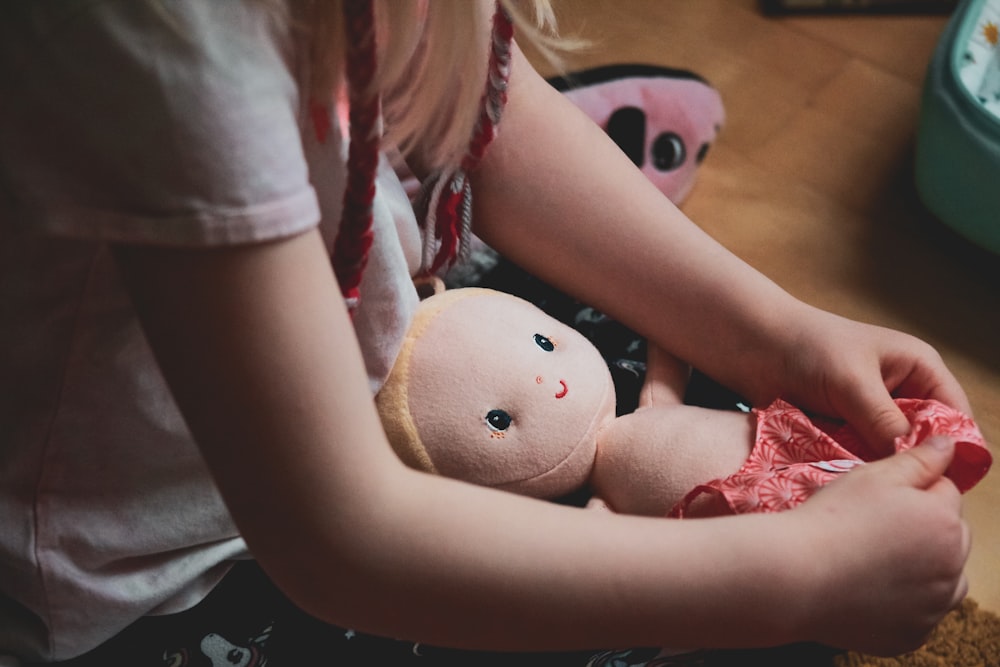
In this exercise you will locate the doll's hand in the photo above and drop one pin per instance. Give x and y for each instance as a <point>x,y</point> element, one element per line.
<point>851,370</point>
<point>887,547</point>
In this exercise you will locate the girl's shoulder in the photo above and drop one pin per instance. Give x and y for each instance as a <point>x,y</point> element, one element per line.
<point>118,114</point>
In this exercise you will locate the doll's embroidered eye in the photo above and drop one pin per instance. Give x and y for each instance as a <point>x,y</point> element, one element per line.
<point>544,343</point>
<point>498,420</point>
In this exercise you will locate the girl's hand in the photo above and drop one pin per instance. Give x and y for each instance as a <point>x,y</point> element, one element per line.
<point>885,547</point>
<point>852,370</point>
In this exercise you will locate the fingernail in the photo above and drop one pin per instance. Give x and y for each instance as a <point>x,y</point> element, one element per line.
<point>939,442</point>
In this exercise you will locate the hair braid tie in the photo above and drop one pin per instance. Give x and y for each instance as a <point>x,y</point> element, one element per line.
<point>444,204</point>
<point>354,238</point>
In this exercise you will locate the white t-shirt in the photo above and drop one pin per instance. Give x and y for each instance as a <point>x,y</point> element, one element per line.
<point>178,123</point>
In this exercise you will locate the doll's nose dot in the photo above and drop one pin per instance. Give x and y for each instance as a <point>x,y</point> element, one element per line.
<point>539,379</point>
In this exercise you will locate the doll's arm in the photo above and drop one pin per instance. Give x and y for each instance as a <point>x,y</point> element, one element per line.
<point>666,378</point>
<point>649,460</point>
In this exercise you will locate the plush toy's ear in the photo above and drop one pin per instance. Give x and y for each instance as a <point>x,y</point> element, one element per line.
<point>664,119</point>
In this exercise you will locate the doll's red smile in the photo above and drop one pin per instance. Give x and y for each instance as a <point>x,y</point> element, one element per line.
<point>562,383</point>
<point>562,392</point>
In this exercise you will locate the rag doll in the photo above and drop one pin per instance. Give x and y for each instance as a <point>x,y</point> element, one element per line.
<point>491,390</point>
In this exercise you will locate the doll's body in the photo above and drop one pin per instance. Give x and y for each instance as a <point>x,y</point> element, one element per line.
<point>491,390</point>
<point>648,460</point>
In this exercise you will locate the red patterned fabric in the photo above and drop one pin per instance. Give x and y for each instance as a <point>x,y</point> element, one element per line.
<point>794,455</point>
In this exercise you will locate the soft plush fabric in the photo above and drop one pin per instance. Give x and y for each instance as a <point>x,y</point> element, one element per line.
<point>491,390</point>
<point>664,119</point>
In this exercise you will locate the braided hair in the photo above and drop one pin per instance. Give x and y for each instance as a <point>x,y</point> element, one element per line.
<point>444,204</point>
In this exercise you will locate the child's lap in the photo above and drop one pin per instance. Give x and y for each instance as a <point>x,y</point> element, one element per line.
<point>247,622</point>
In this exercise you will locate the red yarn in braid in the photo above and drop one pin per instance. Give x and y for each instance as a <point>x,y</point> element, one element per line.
<point>495,96</point>
<point>354,238</point>
<point>445,203</point>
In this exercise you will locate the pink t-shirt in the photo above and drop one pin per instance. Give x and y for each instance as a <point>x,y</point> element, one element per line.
<point>178,124</point>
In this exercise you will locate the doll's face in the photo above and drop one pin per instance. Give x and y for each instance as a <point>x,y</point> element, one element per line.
<point>503,395</point>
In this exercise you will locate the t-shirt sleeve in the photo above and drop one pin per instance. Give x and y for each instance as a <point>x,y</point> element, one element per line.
<point>172,123</point>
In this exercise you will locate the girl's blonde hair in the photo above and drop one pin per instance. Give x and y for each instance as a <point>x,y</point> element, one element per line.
<point>432,64</point>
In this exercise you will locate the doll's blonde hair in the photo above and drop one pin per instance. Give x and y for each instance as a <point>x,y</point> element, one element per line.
<point>432,59</point>
<point>393,400</point>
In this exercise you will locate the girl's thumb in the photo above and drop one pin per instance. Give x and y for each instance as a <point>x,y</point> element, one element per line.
<point>922,466</point>
<point>875,416</point>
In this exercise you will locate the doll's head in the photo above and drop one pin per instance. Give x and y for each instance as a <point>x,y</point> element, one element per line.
<point>491,390</point>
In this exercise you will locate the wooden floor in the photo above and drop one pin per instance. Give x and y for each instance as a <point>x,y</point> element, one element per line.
<point>811,182</point>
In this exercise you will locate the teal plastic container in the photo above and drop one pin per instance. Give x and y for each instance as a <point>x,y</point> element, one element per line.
<point>958,140</point>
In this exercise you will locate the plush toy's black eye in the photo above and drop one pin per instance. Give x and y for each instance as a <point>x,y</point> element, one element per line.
<point>668,152</point>
<point>498,420</point>
<point>544,343</point>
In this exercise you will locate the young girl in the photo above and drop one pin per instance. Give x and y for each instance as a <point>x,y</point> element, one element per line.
<point>184,386</point>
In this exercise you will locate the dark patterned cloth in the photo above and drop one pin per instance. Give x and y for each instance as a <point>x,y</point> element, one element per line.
<point>247,622</point>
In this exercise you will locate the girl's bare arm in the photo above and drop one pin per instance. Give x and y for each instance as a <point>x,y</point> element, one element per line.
<point>259,351</point>
<point>555,194</point>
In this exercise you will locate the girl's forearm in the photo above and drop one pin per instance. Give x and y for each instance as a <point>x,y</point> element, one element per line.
<point>528,575</point>
<point>556,195</point>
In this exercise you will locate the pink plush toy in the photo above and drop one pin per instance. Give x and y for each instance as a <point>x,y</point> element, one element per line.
<point>491,390</point>
<point>664,119</point>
